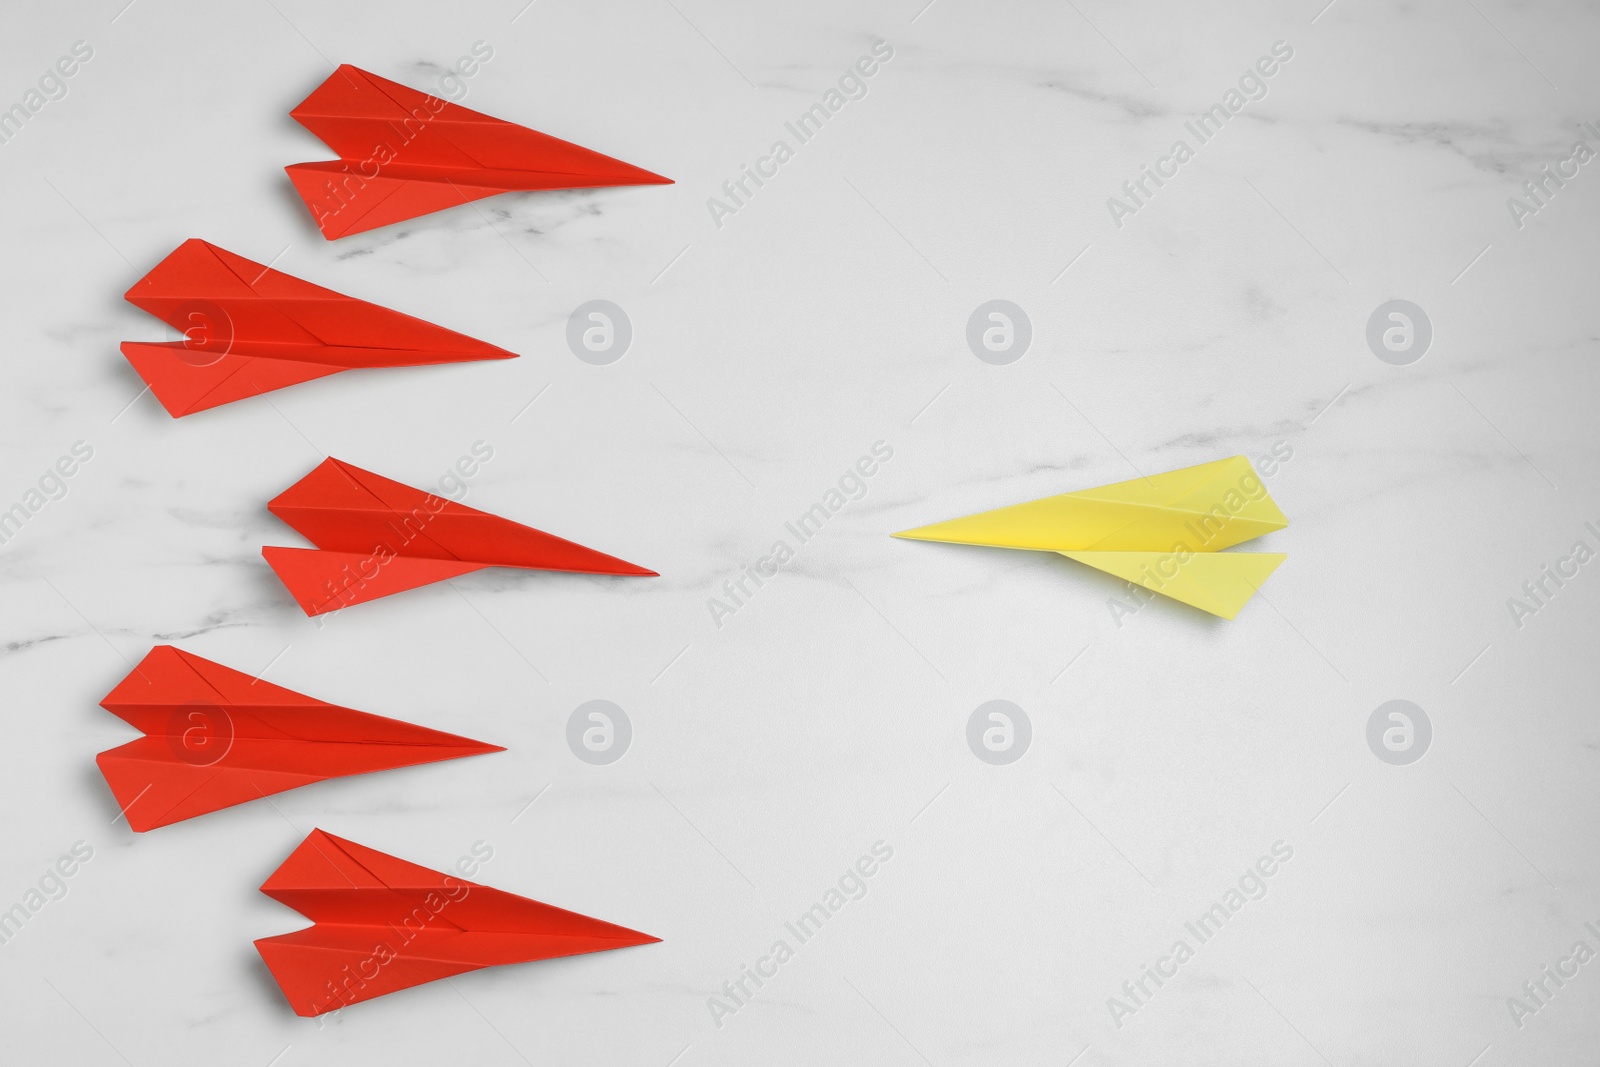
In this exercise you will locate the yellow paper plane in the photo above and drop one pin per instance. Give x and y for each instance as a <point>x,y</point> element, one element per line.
<point>1165,532</point>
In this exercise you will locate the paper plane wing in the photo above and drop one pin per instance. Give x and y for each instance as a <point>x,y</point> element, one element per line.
<point>403,153</point>
<point>249,329</point>
<point>383,924</point>
<point>1207,508</point>
<point>376,536</point>
<point>215,737</point>
<point>1218,582</point>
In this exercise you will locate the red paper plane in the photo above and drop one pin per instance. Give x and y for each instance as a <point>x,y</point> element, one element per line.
<point>248,329</point>
<point>375,537</point>
<point>403,153</point>
<point>215,737</point>
<point>383,925</point>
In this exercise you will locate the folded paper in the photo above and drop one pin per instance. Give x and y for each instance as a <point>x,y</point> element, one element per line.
<point>375,537</point>
<point>382,925</point>
<point>1164,533</point>
<point>248,329</point>
<point>215,737</point>
<point>403,153</point>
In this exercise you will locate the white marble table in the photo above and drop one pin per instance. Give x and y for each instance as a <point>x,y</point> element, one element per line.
<point>775,341</point>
